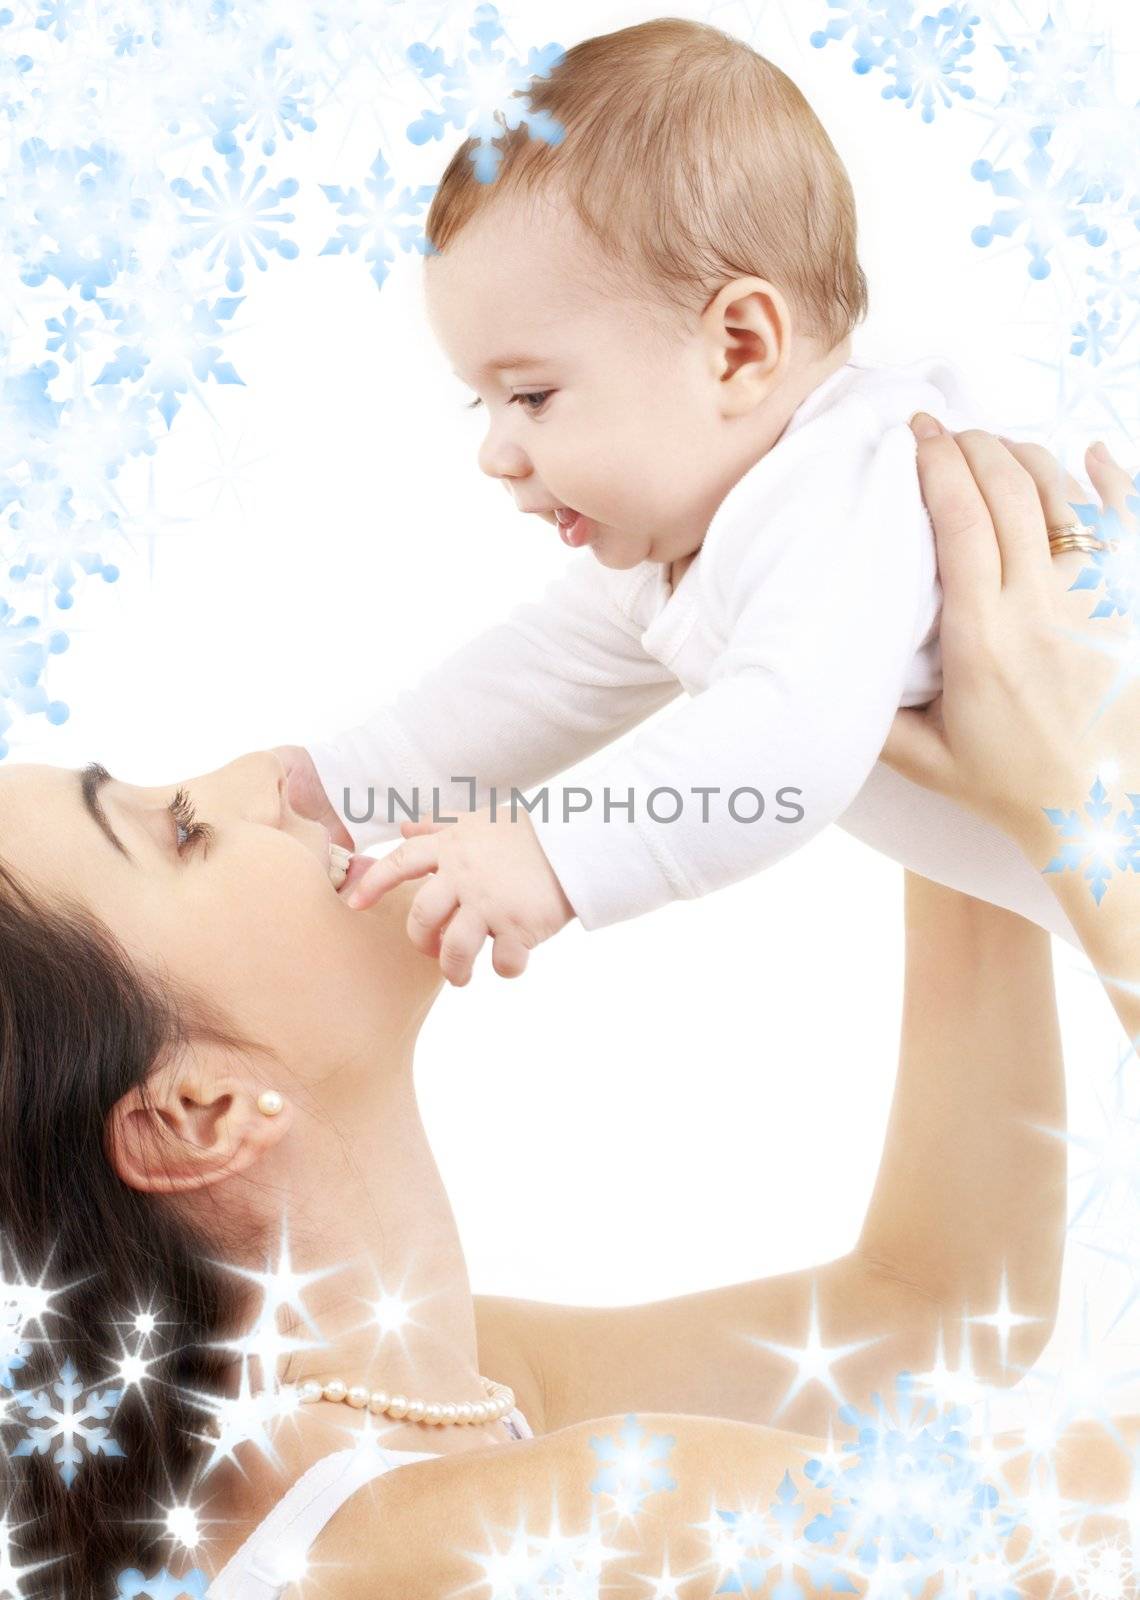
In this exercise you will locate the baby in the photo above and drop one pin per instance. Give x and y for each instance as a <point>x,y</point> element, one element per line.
<point>656,314</point>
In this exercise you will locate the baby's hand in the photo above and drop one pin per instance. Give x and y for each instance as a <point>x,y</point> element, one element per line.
<point>490,878</point>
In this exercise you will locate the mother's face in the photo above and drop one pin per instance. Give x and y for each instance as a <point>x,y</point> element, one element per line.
<point>248,916</point>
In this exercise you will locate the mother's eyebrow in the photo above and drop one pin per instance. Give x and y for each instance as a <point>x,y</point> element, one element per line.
<point>92,777</point>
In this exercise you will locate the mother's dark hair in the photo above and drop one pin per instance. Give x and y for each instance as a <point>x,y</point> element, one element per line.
<point>80,1025</point>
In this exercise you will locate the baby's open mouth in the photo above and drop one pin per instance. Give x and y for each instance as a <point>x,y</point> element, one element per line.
<point>574,528</point>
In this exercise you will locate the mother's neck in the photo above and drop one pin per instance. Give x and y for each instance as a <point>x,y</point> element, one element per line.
<point>368,1200</point>
<point>365,1212</point>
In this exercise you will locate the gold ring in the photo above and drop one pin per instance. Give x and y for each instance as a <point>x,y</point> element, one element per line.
<point>1072,536</point>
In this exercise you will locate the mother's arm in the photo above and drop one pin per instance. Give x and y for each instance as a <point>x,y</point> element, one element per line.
<point>501,1520</point>
<point>969,1188</point>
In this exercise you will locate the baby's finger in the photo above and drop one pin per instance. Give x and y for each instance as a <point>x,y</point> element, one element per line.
<point>460,944</point>
<point>414,826</point>
<point>509,956</point>
<point>408,860</point>
<point>435,901</point>
<point>1113,484</point>
<point>359,867</point>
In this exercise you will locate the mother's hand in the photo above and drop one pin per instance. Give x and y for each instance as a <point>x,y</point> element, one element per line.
<point>1036,696</point>
<point>1039,698</point>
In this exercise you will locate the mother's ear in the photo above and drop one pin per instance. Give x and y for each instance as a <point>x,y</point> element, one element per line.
<point>193,1122</point>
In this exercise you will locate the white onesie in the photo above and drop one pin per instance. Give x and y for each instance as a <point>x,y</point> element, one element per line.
<point>806,619</point>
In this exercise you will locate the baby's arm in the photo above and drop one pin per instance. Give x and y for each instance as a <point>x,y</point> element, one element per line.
<point>822,615</point>
<point>555,680</point>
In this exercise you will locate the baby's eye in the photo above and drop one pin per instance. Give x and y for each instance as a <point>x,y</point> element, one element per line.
<point>541,395</point>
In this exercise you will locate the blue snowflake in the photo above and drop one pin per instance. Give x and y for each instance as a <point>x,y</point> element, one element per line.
<point>1049,206</point>
<point>876,26</point>
<point>23,658</point>
<point>930,61</point>
<point>69,333</point>
<point>484,93</point>
<point>110,425</point>
<point>57,16</point>
<point>752,1545</point>
<point>71,1425</point>
<point>926,56</point>
<point>1117,287</point>
<point>634,1465</point>
<point>1049,74</point>
<point>380,219</point>
<point>52,539</point>
<point>125,39</point>
<point>1094,338</point>
<point>169,344</point>
<point>910,1501</point>
<point>272,98</point>
<point>64,572</point>
<point>14,80</point>
<point>235,220</point>
<point>1108,845</point>
<point>132,1585</point>
<point>1116,568</point>
<point>27,414</point>
<point>73,215</point>
<point>14,1348</point>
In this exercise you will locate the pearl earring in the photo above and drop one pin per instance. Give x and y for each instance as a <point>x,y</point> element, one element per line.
<point>270,1102</point>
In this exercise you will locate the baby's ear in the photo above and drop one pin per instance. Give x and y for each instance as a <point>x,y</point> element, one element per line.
<point>191,1123</point>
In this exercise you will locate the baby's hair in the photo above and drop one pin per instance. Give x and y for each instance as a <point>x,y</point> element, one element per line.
<point>692,160</point>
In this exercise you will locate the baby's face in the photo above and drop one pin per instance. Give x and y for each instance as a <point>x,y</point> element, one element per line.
<point>605,413</point>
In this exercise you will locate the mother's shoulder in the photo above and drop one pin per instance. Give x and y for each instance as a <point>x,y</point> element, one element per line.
<point>435,1527</point>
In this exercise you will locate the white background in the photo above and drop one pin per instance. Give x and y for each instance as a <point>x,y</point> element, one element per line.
<point>684,1100</point>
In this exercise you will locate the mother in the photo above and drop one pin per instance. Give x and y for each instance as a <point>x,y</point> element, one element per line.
<point>174,1085</point>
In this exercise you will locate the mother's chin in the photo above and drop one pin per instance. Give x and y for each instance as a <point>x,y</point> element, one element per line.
<point>383,928</point>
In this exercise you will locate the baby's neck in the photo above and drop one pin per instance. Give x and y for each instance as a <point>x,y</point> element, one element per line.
<point>803,379</point>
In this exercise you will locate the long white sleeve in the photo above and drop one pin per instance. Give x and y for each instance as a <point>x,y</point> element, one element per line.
<point>824,608</point>
<point>550,684</point>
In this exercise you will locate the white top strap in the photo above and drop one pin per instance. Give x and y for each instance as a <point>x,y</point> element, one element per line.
<point>275,1553</point>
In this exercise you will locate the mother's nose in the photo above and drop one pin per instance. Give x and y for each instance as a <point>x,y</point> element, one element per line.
<point>254,787</point>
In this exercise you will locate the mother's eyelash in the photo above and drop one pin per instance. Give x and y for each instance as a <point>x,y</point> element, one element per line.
<point>182,810</point>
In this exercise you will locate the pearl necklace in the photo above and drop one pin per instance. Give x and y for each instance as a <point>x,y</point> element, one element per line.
<point>398,1406</point>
